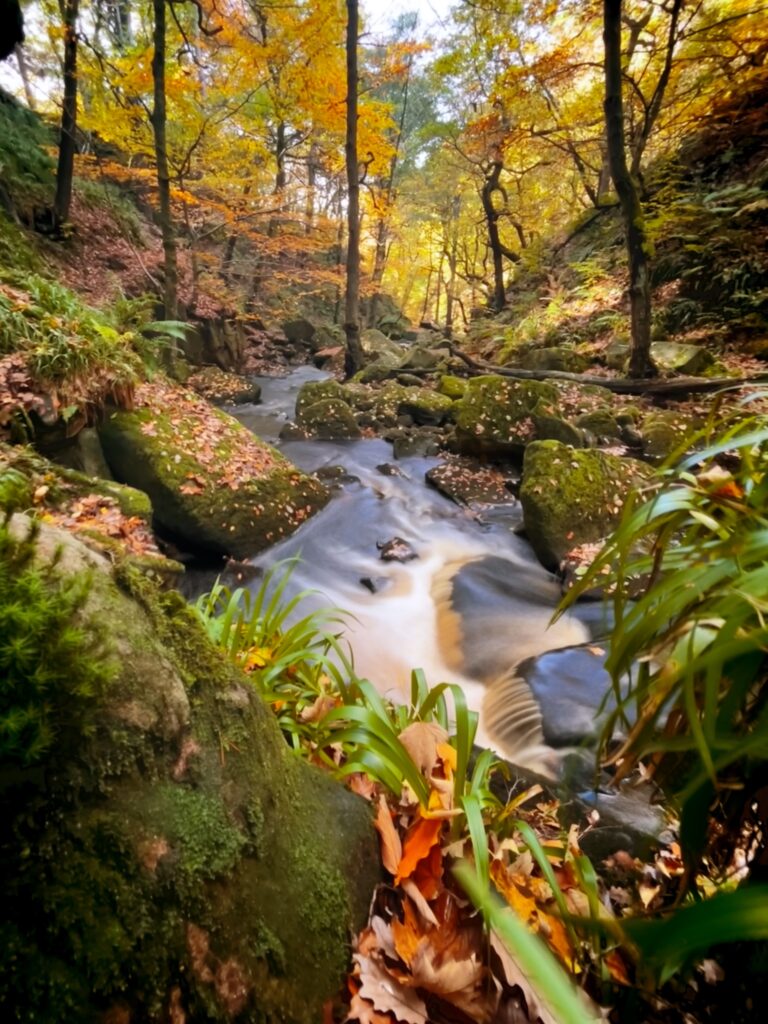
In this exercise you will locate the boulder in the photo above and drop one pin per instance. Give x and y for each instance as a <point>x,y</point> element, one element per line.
<point>213,485</point>
<point>677,358</point>
<point>376,344</point>
<point>664,431</point>
<point>496,414</point>
<point>332,419</point>
<point>216,341</point>
<point>426,407</point>
<point>555,358</point>
<point>572,497</point>
<point>166,856</point>
<point>300,330</point>
<point>453,387</point>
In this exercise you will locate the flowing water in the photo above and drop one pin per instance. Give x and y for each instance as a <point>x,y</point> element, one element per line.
<point>473,604</point>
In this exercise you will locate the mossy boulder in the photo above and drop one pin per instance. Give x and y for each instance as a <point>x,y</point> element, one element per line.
<point>213,484</point>
<point>664,431</point>
<point>453,387</point>
<point>572,497</point>
<point>677,358</point>
<point>426,407</point>
<point>331,419</point>
<point>318,391</point>
<point>223,388</point>
<point>554,358</point>
<point>601,424</point>
<point>496,414</point>
<point>174,861</point>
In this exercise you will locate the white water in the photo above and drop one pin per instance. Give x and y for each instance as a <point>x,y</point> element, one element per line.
<point>503,614</point>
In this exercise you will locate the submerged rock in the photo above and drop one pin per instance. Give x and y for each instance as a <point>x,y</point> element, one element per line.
<point>213,484</point>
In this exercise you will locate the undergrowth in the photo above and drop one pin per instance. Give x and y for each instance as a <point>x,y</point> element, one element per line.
<point>26,170</point>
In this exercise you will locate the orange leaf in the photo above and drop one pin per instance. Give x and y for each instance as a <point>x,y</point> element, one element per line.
<point>420,840</point>
<point>391,847</point>
<point>526,894</point>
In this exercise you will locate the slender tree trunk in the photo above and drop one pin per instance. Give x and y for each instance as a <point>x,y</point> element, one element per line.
<point>280,180</point>
<point>309,206</point>
<point>491,187</point>
<point>67,140</point>
<point>170,298</point>
<point>353,359</point>
<point>638,243</point>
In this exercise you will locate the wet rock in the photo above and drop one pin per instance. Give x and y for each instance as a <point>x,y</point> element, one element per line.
<point>469,484</point>
<point>396,550</point>
<point>418,444</point>
<point>331,419</point>
<point>388,469</point>
<point>665,431</point>
<point>375,584</point>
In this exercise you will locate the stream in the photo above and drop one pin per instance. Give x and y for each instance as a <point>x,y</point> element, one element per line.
<point>473,604</point>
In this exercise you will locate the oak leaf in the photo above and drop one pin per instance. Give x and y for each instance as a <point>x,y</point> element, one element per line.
<point>391,846</point>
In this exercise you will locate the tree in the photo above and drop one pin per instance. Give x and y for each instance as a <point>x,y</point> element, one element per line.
<point>67,139</point>
<point>353,359</point>
<point>170,287</point>
<point>638,243</point>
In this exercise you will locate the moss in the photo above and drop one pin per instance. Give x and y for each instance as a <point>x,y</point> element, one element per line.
<point>179,855</point>
<point>494,416</point>
<point>426,407</point>
<point>572,497</point>
<point>216,509</point>
<point>318,391</point>
<point>330,418</point>
<point>601,423</point>
<point>453,387</point>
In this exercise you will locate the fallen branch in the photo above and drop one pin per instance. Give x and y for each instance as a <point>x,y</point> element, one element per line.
<point>619,385</point>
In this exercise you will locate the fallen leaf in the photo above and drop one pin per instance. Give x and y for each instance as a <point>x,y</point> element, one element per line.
<point>419,841</point>
<point>421,740</point>
<point>387,994</point>
<point>391,846</point>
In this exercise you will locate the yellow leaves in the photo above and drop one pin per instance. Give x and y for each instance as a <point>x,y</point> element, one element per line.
<point>531,899</point>
<point>255,658</point>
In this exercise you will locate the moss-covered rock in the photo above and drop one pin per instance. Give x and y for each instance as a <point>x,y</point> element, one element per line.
<point>677,358</point>
<point>318,391</point>
<point>223,388</point>
<point>212,483</point>
<point>426,407</point>
<point>453,387</point>
<point>572,497</point>
<point>557,357</point>
<point>331,419</point>
<point>601,424</point>
<point>664,431</point>
<point>496,414</point>
<point>178,862</point>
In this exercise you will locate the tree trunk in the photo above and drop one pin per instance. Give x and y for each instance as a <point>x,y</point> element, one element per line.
<point>491,186</point>
<point>67,140</point>
<point>353,359</point>
<point>280,180</point>
<point>170,297</point>
<point>24,72</point>
<point>638,244</point>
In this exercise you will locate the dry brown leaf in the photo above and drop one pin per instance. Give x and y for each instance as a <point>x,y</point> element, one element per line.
<point>513,976</point>
<point>391,847</point>
<point>421,740</point>
<point>387,994</point>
